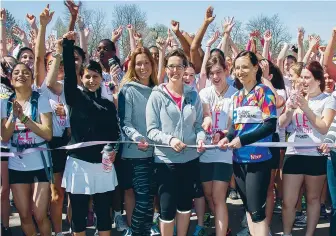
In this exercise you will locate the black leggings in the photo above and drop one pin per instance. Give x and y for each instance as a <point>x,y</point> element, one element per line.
<point>176,187</point>
<point>252,183</point>
<point>80,208</point>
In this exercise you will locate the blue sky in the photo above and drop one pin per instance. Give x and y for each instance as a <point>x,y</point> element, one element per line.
<point>315,16</point>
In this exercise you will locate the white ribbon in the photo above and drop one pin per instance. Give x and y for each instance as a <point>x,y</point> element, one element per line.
<point>94,143</point>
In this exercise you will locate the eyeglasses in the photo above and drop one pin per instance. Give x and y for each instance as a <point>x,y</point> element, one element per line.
<point>178,67</point>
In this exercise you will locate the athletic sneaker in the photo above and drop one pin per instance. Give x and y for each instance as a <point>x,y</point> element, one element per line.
<point>277,207</point>
<point>328,210</point>
<point>155,230</point>
<point>127,232</point>
<point>199,231</point>
<point>193,212</point>
<point>323,212</point>
<point>207,220</point>
<point>96,233</point>
<point>300,220</point>
<point>120,223</point>
<point>233,194</point>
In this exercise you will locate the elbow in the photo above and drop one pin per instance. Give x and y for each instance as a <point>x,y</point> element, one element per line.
<point>48,135</point>
<point>194,48</point>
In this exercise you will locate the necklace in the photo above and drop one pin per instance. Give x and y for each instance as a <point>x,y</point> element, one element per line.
<point>223,91</point>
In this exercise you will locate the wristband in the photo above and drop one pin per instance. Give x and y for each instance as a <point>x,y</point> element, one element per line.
<point>221,134</point>
<point>24,119</point>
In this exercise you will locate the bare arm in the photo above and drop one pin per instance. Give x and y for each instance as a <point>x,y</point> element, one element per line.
<point>300,45</point>
<point>281,57</point>
<point>328,55</point>
<point>267,43</point>
<point>227,27</point>
<point>194,53</point>
<point>286,117</point>
<point>39,66</point>
<point>184,43</point>
<point>51,78</point>
<point>3,40</point>
<point>313,41</point>
<point>73,9</point>
<point>131,38</point>
<point>162,46</point>
<point>234,48</point>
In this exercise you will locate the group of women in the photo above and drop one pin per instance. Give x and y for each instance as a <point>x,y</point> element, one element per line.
<point>168,116</point>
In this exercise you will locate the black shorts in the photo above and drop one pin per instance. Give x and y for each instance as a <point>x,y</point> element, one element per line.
<point>275,151</point>
<point>3,149</point>
<point>27,177</point>
<point>305,165</point>
<point>59,156</point>
<point>252,184</point>
<point>216,171</point>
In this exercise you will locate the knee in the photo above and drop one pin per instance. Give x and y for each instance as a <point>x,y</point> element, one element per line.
<point>26,217</point>
<point>258,215</point>
<point>40,216</point>
<point>129,192</point>
<point>314,199</point>
<point>218,199</point>
<point>4,193</point>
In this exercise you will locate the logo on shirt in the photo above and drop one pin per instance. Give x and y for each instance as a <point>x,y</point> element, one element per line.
<point>255,157</point>
<point>246,114</point>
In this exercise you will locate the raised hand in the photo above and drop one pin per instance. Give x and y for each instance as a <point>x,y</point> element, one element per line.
<point>80,22</point>
<point>31,19</point>
<point>209,17</point>
<point>3,16</point>
<point>10,44</point>
<point>18,32</point>
<point>267,36</point>
<point>116,34</point>
<point>73,8</point>
<point>46,16</point>
<point>213,39</point>
<point>175,26</point>
<point>322,49</point>
<point>71,35</point>
<point>301,32</point>
<point>265,69</point>
<point>228,25</point>
<point>314,41</point>
<point>162,44</point>
<point>87,33</point>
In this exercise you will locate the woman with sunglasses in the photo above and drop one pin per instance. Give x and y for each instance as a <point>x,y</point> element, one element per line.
<point>174,117</point>
<point>310,112</point>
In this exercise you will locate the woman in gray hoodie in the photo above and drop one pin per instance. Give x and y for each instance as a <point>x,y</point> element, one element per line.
<point>137,159</point>
<point>174,117</point>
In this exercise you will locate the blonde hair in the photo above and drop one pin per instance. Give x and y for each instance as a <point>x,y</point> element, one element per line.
<point>131,76</point>
<point>297,68</point>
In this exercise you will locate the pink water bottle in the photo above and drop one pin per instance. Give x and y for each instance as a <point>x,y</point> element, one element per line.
<point>107,164</point>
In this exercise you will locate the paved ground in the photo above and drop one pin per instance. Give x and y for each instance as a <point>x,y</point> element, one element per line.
<point>235,211</point>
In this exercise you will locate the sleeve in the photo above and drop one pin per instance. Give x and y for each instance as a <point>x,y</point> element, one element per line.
<point>204,96</point>
<point>44,105</point>
<point>4,108</point>
<point>153,121</point>
<point>200,134</point>
<point>331,135</point>
<point>72,94</point>
<point>125,106</point>
<point>267,103</point>
<point>43,87</point>
<point>330,103</point>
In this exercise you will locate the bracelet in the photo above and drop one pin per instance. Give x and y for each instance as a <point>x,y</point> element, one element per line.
<point>25,119</point>
<point>221,134</point>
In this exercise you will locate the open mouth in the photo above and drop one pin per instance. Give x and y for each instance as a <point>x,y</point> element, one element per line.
<point>21,79</point>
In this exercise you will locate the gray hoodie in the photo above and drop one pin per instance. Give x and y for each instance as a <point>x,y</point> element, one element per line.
<point>132,102</point>
<point>165,120</point>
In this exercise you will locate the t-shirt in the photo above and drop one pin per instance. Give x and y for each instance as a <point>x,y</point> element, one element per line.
<point>177,100</point>
<point>221,109</point>
<point>60,123</point>
<point>303,130</point>
<point>249,114</point>
<point>105,87</point>
<point>32,161</point>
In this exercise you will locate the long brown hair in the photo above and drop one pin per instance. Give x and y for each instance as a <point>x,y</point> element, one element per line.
<point>131,75</point>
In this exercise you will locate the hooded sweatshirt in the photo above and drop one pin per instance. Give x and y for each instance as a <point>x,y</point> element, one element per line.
<point>165,120</point>
<point>132,103</point>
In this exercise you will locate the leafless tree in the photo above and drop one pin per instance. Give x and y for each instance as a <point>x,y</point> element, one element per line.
<point>273,23</point>
<point>124,14</point>
<point>98,29</point>
<point>60,27</point>
<point>153,32</point>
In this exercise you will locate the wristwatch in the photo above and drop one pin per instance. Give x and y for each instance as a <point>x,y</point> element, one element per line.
<point>57,55</point>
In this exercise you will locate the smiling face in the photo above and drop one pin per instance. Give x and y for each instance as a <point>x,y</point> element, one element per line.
<point>217,75</point>
<point>21,77</point>
<point>175,69</point>
<point>27,57</point>
<point>143,67</point>
<point>91,80</point>
<point>189,76</point>
<point>245,71</point>
<point>329,83</point>
<point>309,83</point>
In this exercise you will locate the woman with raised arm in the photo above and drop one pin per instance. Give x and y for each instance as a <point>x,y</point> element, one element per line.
<point>310,112</point>
<point>216,165</point>
<point>137,167</point>
<point>254,120</point>
<point>174,117</point>
<point>26,123</point>
<point>92,118</point>
<point>328,63</point>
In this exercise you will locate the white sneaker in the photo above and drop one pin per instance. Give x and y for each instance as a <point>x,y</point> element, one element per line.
<point>120,223</point>
<point>59,234</point>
